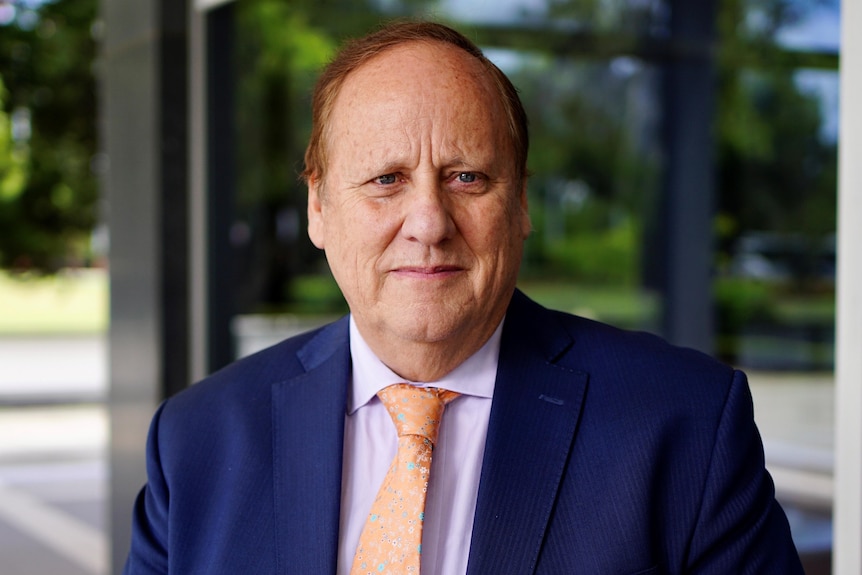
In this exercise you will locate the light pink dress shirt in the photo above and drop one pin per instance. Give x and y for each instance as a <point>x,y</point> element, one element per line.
<point>370,443</point>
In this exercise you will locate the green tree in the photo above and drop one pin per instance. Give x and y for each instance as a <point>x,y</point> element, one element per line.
<point>13,159</point>
<point>47,55</point>
<point>280,50</point>
<point>776,170</point>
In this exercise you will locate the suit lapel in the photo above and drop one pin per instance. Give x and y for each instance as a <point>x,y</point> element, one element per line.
<point>308,439</point>
<point>532,426</point>
<point>534,417</point>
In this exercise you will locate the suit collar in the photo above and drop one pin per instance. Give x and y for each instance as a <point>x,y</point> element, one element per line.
<point>534,416</point>
<point>328,342</point>
<point>308,441</point>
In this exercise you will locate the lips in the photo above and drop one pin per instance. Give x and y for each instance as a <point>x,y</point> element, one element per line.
<point>436,271</point>
<point>429,269</point>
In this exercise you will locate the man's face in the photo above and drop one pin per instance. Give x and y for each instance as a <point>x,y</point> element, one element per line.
<point>421,213</point>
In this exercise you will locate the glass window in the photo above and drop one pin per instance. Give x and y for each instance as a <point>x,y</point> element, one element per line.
<point>591,73</point>
<point>595,151</point>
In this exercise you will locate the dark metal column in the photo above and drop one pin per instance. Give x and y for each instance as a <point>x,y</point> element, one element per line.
<point>174,191</point>
<point>221,184</point>
<point>688,201</point>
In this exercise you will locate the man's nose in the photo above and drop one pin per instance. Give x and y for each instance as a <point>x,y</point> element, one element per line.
<point>428,218</point>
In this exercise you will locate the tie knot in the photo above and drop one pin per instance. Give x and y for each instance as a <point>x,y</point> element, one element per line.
<point>416,410</point>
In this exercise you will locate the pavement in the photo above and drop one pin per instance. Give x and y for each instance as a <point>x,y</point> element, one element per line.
<point>53,465</point>
<point>54,441</point>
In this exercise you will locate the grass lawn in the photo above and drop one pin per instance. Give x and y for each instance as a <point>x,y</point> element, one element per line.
<point>68,303</point>
<point>77,302</point>
<point>625,307</point>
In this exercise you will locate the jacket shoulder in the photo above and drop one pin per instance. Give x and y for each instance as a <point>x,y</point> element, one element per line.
<point>592,346</point>
<point>249,380</point>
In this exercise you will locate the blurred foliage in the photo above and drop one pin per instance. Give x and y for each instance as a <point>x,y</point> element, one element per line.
<point>625,307</point>
<point>605,257</point>
<point>609,15</point>
<point>315,294</point>
<point>596,242</point>
<point>277,60</point>
<point>750,309</point>
<point>49,203</point>
<point>777,170</point>
<point>596,153</point>
<point>13,158</point>
<point>742,302</point>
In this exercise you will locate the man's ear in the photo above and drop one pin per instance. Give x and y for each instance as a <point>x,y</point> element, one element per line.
<point>315,213</point>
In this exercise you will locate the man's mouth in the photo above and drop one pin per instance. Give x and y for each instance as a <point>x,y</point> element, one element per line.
<point>428,271</point>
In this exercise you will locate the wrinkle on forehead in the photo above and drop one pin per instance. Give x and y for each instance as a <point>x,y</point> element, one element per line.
<point>448,112</point>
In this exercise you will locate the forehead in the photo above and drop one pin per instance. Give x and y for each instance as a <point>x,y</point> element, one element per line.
<point>414,89</point>
<point>430,62</point>
<point>420,79</point>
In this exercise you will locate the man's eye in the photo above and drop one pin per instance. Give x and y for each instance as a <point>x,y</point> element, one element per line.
<point>466,177</point>
<point>387,179</point>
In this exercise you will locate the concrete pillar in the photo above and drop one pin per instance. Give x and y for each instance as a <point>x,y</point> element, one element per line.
<point>144,122</point>
<point>847,513</point>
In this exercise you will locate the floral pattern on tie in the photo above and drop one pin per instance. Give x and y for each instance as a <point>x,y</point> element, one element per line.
<point>391,540</point>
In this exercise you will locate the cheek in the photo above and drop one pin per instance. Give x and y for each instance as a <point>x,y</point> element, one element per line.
<point>359,234</point>
<point>492,231</point>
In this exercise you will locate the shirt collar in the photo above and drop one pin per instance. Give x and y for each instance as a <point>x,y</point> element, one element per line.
<point>475,376</point>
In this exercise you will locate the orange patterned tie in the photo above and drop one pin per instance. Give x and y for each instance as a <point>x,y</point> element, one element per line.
<point>391,540</point>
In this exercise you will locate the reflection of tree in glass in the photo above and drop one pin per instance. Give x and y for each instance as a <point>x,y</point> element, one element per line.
<point>777,171</point>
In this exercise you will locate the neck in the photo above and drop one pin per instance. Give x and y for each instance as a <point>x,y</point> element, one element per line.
<point>423,361</point>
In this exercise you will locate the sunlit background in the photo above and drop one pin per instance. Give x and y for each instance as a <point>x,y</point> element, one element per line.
<point>684,173</point>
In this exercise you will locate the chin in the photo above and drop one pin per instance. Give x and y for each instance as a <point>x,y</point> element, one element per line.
<point>425,323</point>
<point>424,330</point>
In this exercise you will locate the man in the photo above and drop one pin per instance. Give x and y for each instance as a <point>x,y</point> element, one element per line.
<point>572,447</point>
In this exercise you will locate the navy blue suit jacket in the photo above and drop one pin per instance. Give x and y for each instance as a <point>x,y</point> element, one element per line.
<point>608,452</point>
